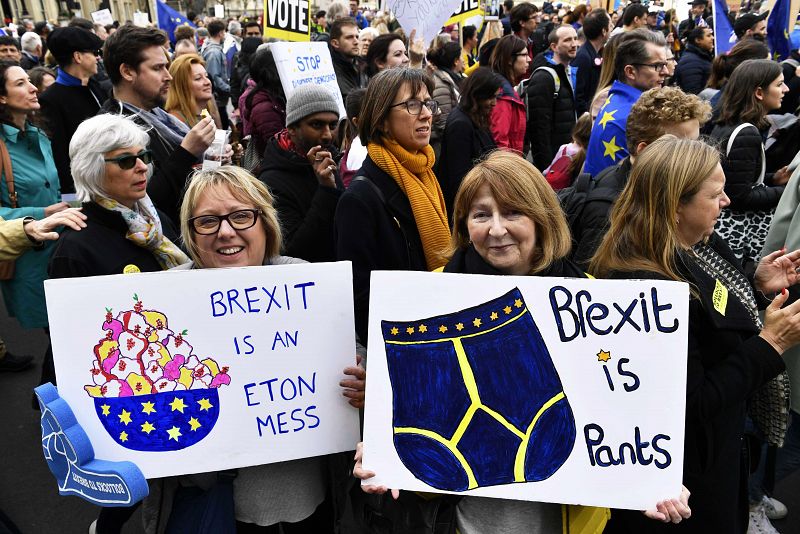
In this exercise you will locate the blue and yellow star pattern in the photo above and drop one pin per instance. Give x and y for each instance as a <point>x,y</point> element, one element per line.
<point>608,143</point>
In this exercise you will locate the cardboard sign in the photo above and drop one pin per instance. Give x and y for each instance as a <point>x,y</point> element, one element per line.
<point>288,20</point>
<point>425,17</point>
<point>468,9</point>
<point>193,371</point>
<point>102,17</point>
<point>540,389</point>
<point>306,63</point>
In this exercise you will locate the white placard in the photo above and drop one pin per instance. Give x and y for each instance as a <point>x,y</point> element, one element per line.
<point>542,389</point>
<point>425,17</point>
<point>102,17</point>
<point>304,63</point>
<point>270,341</point>
<point>141,18</point>
<point>219,11</point>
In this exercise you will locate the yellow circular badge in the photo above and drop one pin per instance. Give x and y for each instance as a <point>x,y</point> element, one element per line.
<point>131,268</point>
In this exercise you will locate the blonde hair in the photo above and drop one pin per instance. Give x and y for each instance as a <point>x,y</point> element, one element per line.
<point>244,187</point>
<point>643,235</point>
<point>180,100</point>
<point>516,185</point>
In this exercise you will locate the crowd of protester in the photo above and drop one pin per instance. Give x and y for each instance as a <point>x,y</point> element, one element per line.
<point>547,141</point>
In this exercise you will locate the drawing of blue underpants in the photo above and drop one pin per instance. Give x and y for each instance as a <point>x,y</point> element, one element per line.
<point>477,400</point>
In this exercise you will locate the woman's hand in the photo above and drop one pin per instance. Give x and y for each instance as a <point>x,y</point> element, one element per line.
<point>44,230</point>
<point>777,270</point>
<point>323,165</point>
<point>782,325</point>
<point>362,474</point>
<point>781,176</point>
<point>55,208</point>
<point>354,388</point>
<point>416,50</point>
<point>672,510</point>
<point>200,137</point>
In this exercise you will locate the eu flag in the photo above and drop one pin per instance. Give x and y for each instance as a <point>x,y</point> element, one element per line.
<point>169,19</point>
<point>724,36</point>
<point>778,30</point>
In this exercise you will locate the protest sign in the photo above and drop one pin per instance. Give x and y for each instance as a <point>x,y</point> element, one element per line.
<point>103,17</point>
<point>219,11</point>
<point>141,18</point>
<point>306,63</point>
<point>194,371</point>
<point>540,389</point>
<point>468,9</point>
<point>288,20</point>
<point>424,16</point>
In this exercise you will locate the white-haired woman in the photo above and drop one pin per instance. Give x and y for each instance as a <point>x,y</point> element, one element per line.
<point>110,165</point>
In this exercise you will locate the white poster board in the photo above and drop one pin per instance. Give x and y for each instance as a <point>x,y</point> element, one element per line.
<point>102,17</point>
<point>261,350</point>
<point>219,11</point>
<point>541,389</point>
<point>304,63</point>
<point>142,19</point>
<point>424,16</point>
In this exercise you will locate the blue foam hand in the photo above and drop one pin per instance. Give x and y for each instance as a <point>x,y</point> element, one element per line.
<point>70,457</point>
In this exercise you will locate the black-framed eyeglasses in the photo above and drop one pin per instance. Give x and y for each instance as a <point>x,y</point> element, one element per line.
<point>210,224</point>
<point>128,161</point>
<point>657,66</point>
<point>414,106</point>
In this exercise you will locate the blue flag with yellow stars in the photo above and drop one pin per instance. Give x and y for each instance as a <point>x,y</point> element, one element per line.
<point>778,30</point>
<point>476,398</point>
<point>169,19</point>
<point>608,143</point>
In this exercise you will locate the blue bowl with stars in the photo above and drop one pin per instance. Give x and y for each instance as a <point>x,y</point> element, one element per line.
<point>168,421</point>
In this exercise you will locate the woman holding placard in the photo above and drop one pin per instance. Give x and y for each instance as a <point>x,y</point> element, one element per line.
<point>507,221</point>
<point>228,220</point>
<point>662,227</point>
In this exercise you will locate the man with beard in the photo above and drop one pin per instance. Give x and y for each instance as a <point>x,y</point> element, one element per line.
<point>137,65</point>
<point>550,97</point>
<point>299,167</point>
<point>750,26</point>
<point>343,46</point>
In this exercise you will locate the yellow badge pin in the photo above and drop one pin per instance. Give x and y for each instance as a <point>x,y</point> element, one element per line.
<point>131,268</point>
<point>720,297</point>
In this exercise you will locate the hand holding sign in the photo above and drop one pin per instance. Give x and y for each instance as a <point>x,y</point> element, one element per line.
<point>425,17</point>
<point>70,457</point>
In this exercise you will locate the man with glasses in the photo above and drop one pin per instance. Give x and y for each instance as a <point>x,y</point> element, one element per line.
<point>641,64</point>
<point>300,169</point>
<point>523,23</point>
<point>75,96</point>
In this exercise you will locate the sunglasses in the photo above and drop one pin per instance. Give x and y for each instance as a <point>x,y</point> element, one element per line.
<point>128,161</point>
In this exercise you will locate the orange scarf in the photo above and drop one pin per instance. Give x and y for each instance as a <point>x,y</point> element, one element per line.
<point>414,175</point>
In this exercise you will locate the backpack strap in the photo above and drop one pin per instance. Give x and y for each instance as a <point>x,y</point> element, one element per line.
<point>375,188</point>
<point>763,156</point>
<point>791,61</point>
<point>556,79</point>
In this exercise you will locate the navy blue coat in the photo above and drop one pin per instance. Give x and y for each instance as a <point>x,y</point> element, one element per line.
<point>693,69</point>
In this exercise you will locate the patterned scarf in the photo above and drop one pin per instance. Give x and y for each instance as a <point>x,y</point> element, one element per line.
<point>414,175</point>
<point>144,229</point>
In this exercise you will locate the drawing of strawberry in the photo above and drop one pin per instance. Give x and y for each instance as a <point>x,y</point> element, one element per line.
<point>179,338</point>
<point>138,306</point>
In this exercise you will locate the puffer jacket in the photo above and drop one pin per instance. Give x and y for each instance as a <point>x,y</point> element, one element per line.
<point>508,119</point>
<point>693,70</point>
<point>446,95</point>
<point>265,116</point>
<point>551,116</point>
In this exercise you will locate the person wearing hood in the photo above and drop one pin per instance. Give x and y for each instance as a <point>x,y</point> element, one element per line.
<point>550,96</point>
<point>299,167</point>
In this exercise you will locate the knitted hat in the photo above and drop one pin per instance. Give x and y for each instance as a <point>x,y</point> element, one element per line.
<point>307,100</point>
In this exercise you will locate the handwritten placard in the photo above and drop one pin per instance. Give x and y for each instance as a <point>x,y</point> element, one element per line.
<point>102,16</point>
<point>306,64</point>
<point>425,17</point>
<point>193,371</point>
<point>541,389</point>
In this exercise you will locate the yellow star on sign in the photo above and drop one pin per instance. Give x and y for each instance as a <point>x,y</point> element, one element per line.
<point>459,326</point>
<point>608,116</point>
<point>507,310</point>
<point>174,433</point>
<point>106,409</point>
<point>123,436</point>
<point>148,407</point>
<point>603,356</point>
<point>477,322</point>
<point>394,331</point>
<point>125,417</point>
<point>410,329</point>
<point>177,404</point>
<point>443,329</point>
<point>493,316</point>
<point>611,148</point>
<point>423,329</point>
<point>205,405</point>
<point>147,427</point>
<point>194,423</point>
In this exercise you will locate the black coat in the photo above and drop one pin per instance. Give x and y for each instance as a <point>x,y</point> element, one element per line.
<point>305,208</point>
<point>172,166</point>
<point>101,248</point>
<point>462,144</point>
<point>347,74</point>
<point>550,118</point>
<point>375,234</point>
<point>743,167</point>
<point>596,215</point>
<point>791,100</point>
<point>64,108</point>
<point>727,363</point>
<point>468,261</point>
<point>693,69</point>
<point>587,77</point>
